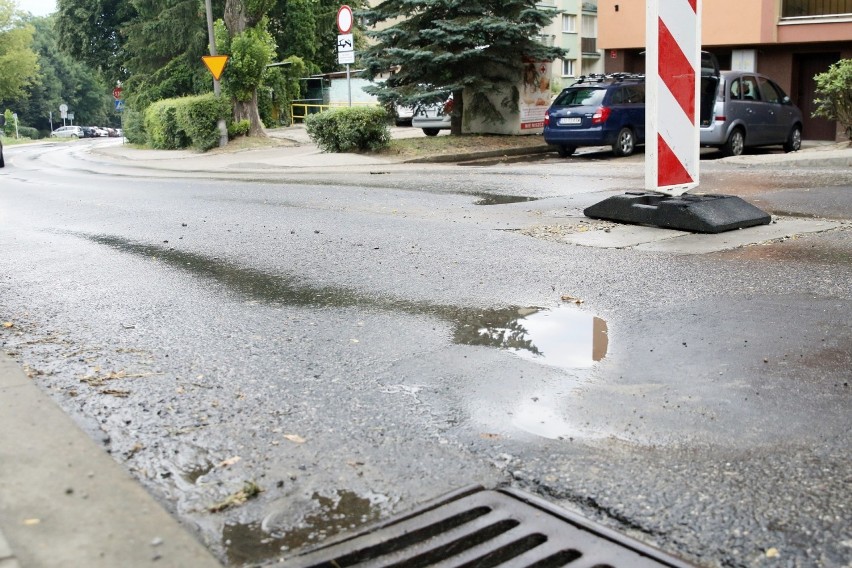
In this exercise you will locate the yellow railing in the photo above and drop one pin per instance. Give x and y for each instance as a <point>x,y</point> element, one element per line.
<point>300,111</point>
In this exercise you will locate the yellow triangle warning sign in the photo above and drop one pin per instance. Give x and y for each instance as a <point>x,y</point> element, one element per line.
<point>215,63</point>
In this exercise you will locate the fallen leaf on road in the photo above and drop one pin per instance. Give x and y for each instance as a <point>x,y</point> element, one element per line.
<point>229,462</point>
<point>249,491</point>
<point>8,324</point>
<point>773,553</point>
<point>567,298</point>
<point>295,438</point>
<point>31,522</point>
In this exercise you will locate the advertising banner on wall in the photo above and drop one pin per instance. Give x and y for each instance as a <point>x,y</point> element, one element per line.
<point>535,94</point>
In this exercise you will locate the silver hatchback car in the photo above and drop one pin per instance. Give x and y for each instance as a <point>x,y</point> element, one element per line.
<point>751,110</point>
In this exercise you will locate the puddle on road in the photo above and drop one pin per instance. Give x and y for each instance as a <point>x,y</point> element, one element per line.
<point>325,516</point>
<point>564,337</point>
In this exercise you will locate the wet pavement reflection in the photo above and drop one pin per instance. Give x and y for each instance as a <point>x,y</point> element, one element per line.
<point>564,337</point>
<point>323,517</point>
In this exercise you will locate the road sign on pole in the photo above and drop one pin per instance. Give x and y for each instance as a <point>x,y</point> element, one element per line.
<point>215,64</point>
<point>672,66</point>
<point>344,19</point>
<point>345,44</point>
<point>116,93</point>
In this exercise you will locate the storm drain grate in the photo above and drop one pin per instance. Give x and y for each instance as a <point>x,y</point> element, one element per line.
<point>478,528</point>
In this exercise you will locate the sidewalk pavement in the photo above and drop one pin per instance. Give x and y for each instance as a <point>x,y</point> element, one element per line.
<point>299,152</point>
<point>63,500</point>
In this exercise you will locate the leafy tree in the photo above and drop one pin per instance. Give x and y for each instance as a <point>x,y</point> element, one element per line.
<point>18,62</point>
<point>243,34</point>
<point>452,45</point>
<point>165,42</point>
<point>835,86</point>
<point>61,79</point>
<point>91,30</point>
<point>293,27</point>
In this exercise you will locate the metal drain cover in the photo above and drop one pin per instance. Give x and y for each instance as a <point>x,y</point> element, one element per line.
<point>478,528</point>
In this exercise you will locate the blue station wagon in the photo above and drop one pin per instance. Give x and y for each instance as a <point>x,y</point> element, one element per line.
<point>598,110</point>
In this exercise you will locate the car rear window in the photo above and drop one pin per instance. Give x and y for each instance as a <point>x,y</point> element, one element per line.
<point>581,96</point>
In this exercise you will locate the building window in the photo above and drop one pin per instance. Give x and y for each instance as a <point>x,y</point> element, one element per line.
<point>568,68</point>
<point>569,23</point>
<point>590,26</point>
<point>812,8</point>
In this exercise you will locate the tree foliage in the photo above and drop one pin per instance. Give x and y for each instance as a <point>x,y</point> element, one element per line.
<point>61,79</point>
<point>835,88</point>
<point>164,44</point>
<point>18,62</point>
<point>91,30</point>
<point>440,46</point>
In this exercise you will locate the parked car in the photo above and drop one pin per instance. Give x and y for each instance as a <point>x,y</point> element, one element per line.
<point>88,132</point>
<point>404,114</point>
<point>2,124</point>
<point>751,110</point>
<point>433,118</point>
<point>67,132</point>
<point>598,110</point>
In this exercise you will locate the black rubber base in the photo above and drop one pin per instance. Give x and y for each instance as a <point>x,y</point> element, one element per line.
<point>694,213</point>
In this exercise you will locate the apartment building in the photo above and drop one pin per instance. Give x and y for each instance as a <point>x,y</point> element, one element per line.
<point>575,30</point>
<point>789,40</point>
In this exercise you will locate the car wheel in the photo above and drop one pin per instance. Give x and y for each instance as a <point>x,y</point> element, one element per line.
<point>794,141</point>
<point>735,144</point>
<point>430,131</point>
<point>565,151</point>
<point>625,143</point>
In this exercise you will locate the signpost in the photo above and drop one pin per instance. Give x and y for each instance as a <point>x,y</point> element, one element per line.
<point>63,112</point>
<point>673,68</point>
<point>345,44</point>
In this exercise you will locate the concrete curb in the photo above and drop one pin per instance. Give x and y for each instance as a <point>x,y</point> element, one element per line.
<point>66,502</point>
<point>482,155</point>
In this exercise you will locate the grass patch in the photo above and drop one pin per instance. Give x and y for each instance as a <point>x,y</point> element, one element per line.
<point>19,141</point>
<point>444,144</point>
<point>242,143</point>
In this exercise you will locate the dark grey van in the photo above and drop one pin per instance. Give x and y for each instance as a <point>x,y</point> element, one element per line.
<point>751,110</point>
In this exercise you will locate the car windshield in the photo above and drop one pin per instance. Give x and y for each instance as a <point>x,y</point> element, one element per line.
<point>581,96</point>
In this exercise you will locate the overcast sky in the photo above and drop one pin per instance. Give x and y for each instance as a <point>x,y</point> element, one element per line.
<point>38,7</point>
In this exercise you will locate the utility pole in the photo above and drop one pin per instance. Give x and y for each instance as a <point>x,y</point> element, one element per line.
<point>217,88</point>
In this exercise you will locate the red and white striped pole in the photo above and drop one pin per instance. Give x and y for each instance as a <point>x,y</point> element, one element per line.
<point>673,70</point>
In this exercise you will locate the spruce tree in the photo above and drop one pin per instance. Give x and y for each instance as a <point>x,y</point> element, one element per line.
<point>440,46</point>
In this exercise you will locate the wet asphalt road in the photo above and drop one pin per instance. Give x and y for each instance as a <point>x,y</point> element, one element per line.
<point>357,342</point>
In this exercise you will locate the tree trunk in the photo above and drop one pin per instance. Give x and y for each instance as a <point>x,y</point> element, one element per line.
<point>235,21</point>
<point>247,110</point>
<point>457,115</point>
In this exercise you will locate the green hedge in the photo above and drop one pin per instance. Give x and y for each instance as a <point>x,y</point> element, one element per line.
<point>349,129</point>
<point>28,132</point>
<point>187,121</point>
<point>133,124</point>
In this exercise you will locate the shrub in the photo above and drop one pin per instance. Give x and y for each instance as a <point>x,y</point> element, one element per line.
<point>187,121</point>
<point>240,128</point>
<point>161,126</point>
<point>134,126</point>
<point>349,129</point>
<point>28,132</point>
<point>835,86</point>
<point>198,117</point>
